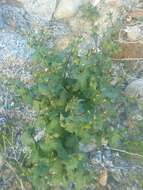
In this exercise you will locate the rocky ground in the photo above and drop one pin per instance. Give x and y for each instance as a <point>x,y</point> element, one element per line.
<point>63,19</point>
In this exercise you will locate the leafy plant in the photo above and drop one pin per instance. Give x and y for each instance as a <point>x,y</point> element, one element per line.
<point>75,103</point>
<point>90,12</point>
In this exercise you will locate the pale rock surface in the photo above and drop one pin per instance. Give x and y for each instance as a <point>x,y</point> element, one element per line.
<point>80,25</point>
<point>41,9</point>
<point>63,43</point>
<point>14,17</point>
<point>133,32</point>
<point>68,8</point>
<point>15,54</point>
<point>131,4</point>
<point>87,147</point>
<point>103,178</point>
<point>13,47</point>
<point>95,2</point>
<point>106,8</point>
<point>115,3</point>
<point>135,90</point>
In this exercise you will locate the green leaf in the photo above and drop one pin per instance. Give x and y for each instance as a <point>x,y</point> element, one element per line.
<point>43,89</point>
<point>115,138</point>
<point>27,139</point>
<point>36,105</point>
<point>41,169</point>
<point>72,143</point>
<point>62,154</point>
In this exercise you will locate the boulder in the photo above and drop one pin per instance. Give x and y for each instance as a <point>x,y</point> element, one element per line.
<point>136,13</point>
<point>39,9</point>
<point>133,33</point>
<point>135,90</point>
<point>14,18</point>
<point>15,54</point>
<point>67,8</point>
<point>114,3</point>
<point>130,51</point>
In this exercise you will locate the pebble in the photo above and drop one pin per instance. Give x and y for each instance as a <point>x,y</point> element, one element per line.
<point>2,120</point>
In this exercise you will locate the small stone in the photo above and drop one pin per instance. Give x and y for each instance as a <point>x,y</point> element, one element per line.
<point>87,147</point>
<point>63,43</point>
<point>39,135</point>
<point>104,141</point>
<point>138,117</point>
<point>128,18</point>
<point>131,123</point>
<point>117,175</point>
<point>135,89</point>
<point>107,153</point>
<point>133,32</point>
<point>2,120</point>
<point>103,178</point>
<point>98,156</point>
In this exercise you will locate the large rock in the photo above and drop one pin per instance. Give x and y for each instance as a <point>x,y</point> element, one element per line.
<point>14,54</point>
<point>135,90</point>
<point>136,13</point>
<point>115,3</point>
<point>67,8</point>
<point>130,51</point>
<point>133,33</point>
<point>39,9</point>
<point>14,17</point>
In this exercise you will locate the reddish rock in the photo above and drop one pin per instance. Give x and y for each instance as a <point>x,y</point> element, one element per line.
<point>136,13</point>
<point>130,50</point>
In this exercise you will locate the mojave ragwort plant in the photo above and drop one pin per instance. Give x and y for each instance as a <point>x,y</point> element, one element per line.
<point>75,102</point>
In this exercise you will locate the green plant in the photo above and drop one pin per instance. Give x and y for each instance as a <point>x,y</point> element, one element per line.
<point>75,102</point>
<point>90,12</point>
